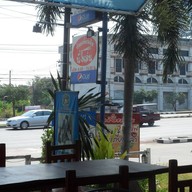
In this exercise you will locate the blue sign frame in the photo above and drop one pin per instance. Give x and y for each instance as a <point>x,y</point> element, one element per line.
<point>85,18</point>
<point>117,6</point>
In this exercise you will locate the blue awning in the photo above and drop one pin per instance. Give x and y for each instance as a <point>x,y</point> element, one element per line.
<point>118,6</point>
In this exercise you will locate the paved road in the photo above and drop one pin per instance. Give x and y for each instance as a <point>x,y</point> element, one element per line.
<point>21,142</point>
<point>160,153</point>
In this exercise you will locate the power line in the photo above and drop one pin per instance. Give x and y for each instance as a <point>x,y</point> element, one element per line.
<point>17,11</point>
<point>27,45</point>
<point>29,51</point>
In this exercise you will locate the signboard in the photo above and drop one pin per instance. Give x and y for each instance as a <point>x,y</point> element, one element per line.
<point>66,117</point>
<point>84,59</point>
<point>89,117</point>
<point>114,121</point>
<point>85,18</point>
<point>117,6</point>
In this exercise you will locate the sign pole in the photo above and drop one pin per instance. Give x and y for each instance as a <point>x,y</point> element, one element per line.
<point>103,66</point>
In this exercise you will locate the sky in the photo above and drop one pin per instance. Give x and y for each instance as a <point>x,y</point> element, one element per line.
<point>23,53</point>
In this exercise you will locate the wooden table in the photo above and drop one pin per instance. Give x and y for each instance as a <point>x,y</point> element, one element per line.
<point>34,177</point>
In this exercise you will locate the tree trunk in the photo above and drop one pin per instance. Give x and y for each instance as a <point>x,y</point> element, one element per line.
<point>129,68</point>
<point>130,59</point>
<point>13,107</point>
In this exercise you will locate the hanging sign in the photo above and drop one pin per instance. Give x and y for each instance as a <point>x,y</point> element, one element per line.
<point>66,117</point>
<point>85,18</point>
<point>84,59</point>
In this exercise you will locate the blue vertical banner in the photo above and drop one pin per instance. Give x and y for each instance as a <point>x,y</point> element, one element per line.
<point>66,117</point>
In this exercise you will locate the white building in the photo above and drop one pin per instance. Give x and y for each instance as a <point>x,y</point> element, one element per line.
<point>148,76</point>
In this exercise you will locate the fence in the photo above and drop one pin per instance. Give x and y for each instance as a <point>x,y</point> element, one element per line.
<point>27,158</point>
<point>144,157</point>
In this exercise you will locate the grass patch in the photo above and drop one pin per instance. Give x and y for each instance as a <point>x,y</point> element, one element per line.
<point>162,182</point>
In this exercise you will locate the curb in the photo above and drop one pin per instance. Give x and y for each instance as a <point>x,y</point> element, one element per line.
<point>170,140</point>
<point>165,116</point>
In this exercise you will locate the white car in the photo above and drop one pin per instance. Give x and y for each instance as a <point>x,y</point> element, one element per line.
<point>32,118</point>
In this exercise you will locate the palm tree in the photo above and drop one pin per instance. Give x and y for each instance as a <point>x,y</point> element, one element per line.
<point>133,47</point>
<point>169,18</point>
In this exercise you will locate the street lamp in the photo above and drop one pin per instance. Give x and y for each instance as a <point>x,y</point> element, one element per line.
<point>90,32</point>
<point>37,28</point>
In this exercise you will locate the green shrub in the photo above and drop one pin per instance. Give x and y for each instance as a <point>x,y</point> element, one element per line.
<point>46,136</point>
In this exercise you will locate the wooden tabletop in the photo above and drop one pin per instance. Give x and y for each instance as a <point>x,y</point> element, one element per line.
<point>53,175</point>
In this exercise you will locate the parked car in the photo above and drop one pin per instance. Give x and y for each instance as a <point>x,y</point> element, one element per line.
<point>32,118</point>
<point>147,113</point>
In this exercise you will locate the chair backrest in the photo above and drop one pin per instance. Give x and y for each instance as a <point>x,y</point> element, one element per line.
<point>62,153</point>
<point>176,185</point>
<point>122,178</point>
<point>2,155</point>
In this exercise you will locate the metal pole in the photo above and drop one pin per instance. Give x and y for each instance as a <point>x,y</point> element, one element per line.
<point>66,41</point>
<point>103,66</point>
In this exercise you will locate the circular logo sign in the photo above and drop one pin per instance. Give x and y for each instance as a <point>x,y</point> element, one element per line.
<point>84,51</point>
<point>79,76</point>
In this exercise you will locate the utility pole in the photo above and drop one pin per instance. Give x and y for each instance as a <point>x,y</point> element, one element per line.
<point>9,77</point>
<point>66,41</point>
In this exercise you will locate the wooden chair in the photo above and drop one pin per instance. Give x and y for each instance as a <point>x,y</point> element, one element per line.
<point>2,155</point>
<point>72,182</point>
<point>176,185</point>
<point>53,153</point>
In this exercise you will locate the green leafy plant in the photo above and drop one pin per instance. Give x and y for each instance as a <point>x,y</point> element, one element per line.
<point>46,136</point>
<point>86,102</point>
<point>103,146</point>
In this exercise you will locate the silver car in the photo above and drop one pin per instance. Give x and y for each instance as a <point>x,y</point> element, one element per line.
<point>32,118</point>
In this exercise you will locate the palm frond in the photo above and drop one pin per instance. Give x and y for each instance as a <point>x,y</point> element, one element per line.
<point>48,16</point>
<point>59,80</point>
<point>171,18</point>
<point>54,83</point>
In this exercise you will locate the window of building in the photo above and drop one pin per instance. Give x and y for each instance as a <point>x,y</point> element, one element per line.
<point>153,50</point>
<point>151,80</point>
<point>151,67</point>
<point>182,81</point>
<point>164,51</point>
<point>169,80</point>
<point>137,80</point>
<point>115,48</point>
<point>137,67</point>
<point>119,65</point>
<point>118,79</point>
<point>184,53</point>
<point>183,69</point>
<point>121,79</point>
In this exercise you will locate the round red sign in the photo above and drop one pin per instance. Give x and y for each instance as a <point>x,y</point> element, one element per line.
<point>84,51</point>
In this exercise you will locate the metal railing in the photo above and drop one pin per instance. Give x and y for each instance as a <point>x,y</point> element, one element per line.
<point>143,156</point>
<point>27,158</point>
